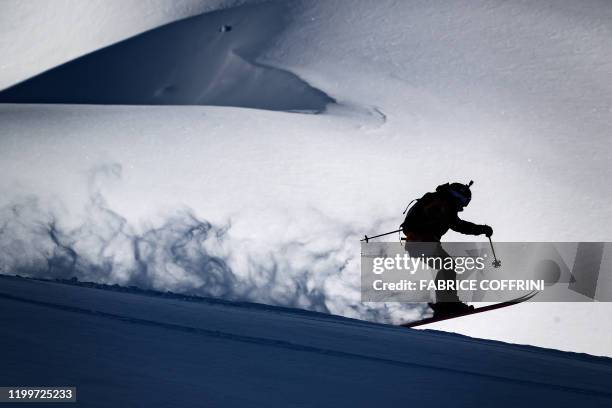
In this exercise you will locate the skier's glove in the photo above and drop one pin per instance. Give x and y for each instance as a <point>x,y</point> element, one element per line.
<point>488,231</point>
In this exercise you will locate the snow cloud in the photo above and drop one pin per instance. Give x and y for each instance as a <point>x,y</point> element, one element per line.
<point>310,268</point>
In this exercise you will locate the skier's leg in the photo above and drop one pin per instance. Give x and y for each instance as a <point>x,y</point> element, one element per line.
<point>447,275</point>
<point>447,300</point>
<point>432,251</point>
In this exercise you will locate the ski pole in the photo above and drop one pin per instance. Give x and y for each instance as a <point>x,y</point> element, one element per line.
<point>496,262</point>
<point>381,235</point>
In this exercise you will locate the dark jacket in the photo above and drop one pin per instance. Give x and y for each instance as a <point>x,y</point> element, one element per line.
<point>433,215</point>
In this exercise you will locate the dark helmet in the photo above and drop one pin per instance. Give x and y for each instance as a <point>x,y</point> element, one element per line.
<point>460,192</point>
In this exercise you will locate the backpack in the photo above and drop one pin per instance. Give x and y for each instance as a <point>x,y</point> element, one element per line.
<point>415,216</point>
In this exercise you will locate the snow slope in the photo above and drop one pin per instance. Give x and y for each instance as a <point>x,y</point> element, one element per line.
<point>204,60</point>
<point>514,95</point>
<point>135,349</point>
<point>39,35</point>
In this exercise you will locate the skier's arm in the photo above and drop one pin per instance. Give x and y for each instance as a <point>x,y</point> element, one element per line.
<point>469,228</point>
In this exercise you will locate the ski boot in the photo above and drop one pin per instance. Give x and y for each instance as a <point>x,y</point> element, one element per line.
<point>445,309</point>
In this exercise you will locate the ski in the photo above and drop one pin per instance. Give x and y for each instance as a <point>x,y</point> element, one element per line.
<point>474,311</point>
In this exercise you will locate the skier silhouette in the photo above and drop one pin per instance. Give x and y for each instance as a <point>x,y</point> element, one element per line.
<point>427,221</point>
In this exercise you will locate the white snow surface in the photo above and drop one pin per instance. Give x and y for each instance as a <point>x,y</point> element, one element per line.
<point>131,349</point>
<point>515,95</point>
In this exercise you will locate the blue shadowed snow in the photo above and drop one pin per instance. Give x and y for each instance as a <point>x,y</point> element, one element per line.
<point>211,59</point>
<point>135,349</point>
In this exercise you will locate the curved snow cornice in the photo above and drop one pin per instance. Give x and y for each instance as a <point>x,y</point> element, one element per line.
<point>210,59</point>
<point>36,36</point>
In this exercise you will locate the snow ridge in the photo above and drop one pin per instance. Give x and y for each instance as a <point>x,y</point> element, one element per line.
<point>210,59</point>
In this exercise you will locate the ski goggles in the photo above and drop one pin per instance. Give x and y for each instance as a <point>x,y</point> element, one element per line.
<point>463,200</point>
